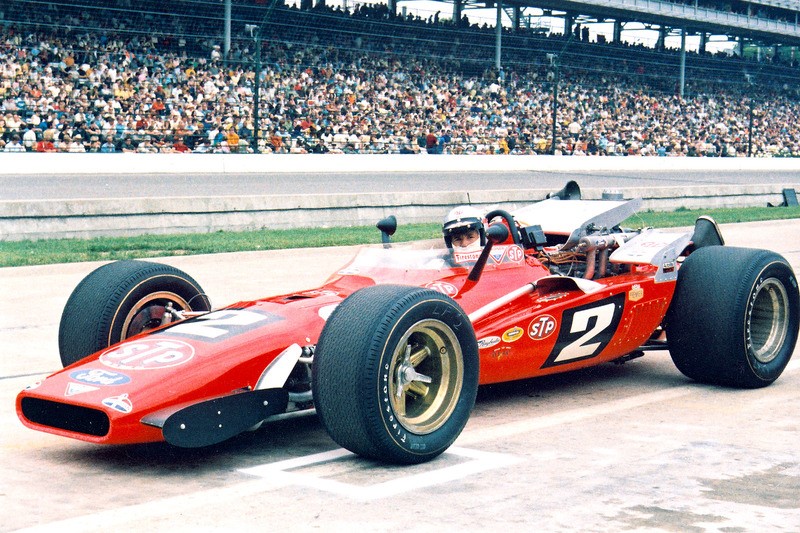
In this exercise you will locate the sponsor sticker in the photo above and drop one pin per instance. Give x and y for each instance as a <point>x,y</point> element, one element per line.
<point>488,342</point>
<point>148,355</point>
<point>223,324</point>
<point>541,327</point>
<point>636,293</point>
<point>515,253</point>
<point>33,385</point>
<point>553,296</point>
<point>497,254</point>
<point>78,388</point>
<point>442,286</point>
<point>466,257</point>
<point>500,353</point>
<point>513,334</point>
<point>119,403</point>
<point>98,376</point>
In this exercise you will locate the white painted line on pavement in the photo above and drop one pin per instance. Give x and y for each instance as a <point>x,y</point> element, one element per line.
<point>480,462</point>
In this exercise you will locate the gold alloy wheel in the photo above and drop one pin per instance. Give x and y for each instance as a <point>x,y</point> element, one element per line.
<point>427,371</point>
<point>148,313</point>
<point>768,323</point>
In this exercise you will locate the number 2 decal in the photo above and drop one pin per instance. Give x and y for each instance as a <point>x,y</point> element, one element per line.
<point>586,330</point>
<point>222,324</point>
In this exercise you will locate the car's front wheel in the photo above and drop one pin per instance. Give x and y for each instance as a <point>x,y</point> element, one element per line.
<point>122,299</point>
<point>395,373</point>
<point>734,317</point>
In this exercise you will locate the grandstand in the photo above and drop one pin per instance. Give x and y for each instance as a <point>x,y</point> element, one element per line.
<point>148,76</point>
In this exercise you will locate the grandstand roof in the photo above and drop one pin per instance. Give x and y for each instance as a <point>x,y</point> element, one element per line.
<point>781,27</point>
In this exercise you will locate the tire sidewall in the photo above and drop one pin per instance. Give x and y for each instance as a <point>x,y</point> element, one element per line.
<point>709,320</point>
<point>95,313</point>
<point>769,371</point>
<point>434,305</point>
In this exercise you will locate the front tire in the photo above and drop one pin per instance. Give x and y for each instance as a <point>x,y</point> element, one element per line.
<point>120,300</point>
<point>734,317</point>
<point>395,373</point>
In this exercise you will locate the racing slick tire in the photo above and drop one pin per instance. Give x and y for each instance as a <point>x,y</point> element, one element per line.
<point>395,373</point>
<point>733,319</point>
<point>122,299</point>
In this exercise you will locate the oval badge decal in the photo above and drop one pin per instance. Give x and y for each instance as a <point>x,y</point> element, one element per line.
<point>148,355</point>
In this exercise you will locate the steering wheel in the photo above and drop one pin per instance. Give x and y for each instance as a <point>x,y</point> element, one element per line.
<point>512,225</point>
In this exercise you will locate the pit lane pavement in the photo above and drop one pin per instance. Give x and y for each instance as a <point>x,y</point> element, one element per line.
<point>616,448</point>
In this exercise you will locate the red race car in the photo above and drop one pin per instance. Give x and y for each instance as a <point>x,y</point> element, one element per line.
<point>391,349</point>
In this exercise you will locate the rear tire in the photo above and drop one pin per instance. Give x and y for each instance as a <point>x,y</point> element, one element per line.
<point>734,317</point>
<point>120,300</point>
<point>395,373</point>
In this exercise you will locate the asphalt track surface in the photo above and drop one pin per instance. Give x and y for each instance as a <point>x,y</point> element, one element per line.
<point>634,447</point>
<point>71,186</point>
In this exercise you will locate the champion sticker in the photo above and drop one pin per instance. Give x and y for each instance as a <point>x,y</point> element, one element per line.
<point>513,334</point>
<point>148,355</point>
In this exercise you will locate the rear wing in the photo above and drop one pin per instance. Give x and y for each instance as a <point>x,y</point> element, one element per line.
<point>576,219</point>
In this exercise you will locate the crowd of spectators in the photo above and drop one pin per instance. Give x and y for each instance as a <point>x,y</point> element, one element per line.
<point>74,86</point>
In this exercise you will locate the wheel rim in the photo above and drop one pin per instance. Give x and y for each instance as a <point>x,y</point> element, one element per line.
<point>427,372</point>
<point>148,313</point>
<point>769,320</point>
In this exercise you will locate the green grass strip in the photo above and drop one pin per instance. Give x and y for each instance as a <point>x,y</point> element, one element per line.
<point>49,251</point>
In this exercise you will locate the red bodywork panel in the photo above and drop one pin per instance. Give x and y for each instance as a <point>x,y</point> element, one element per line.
<point>555,328</point>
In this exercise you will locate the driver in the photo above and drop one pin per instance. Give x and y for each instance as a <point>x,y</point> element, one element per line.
<point>463,229</point>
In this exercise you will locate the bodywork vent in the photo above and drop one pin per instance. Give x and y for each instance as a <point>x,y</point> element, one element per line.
<point>66,417</point>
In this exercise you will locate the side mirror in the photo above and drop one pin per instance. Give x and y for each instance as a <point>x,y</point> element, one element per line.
<point>496,234</point>
<point>387,226</point>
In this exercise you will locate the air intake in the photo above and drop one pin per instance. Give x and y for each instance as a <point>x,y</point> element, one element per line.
<point>66,417</point>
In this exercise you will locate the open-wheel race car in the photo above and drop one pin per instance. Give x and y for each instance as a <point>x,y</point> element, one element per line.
<point>391,349</point>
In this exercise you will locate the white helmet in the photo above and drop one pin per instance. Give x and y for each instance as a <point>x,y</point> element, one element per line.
<point>462,219</point>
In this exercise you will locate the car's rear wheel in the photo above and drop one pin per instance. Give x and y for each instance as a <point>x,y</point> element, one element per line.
<point>120,300</point>
<point>734,316</point>
<point>395,373</point>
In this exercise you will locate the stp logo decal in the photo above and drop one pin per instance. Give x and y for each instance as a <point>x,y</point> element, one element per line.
<point>515,253</point>
<point>541,327</point>
<point>98,376</point>
<point>442,286</point>
<point>148,355</point>
<point>513,334</point>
